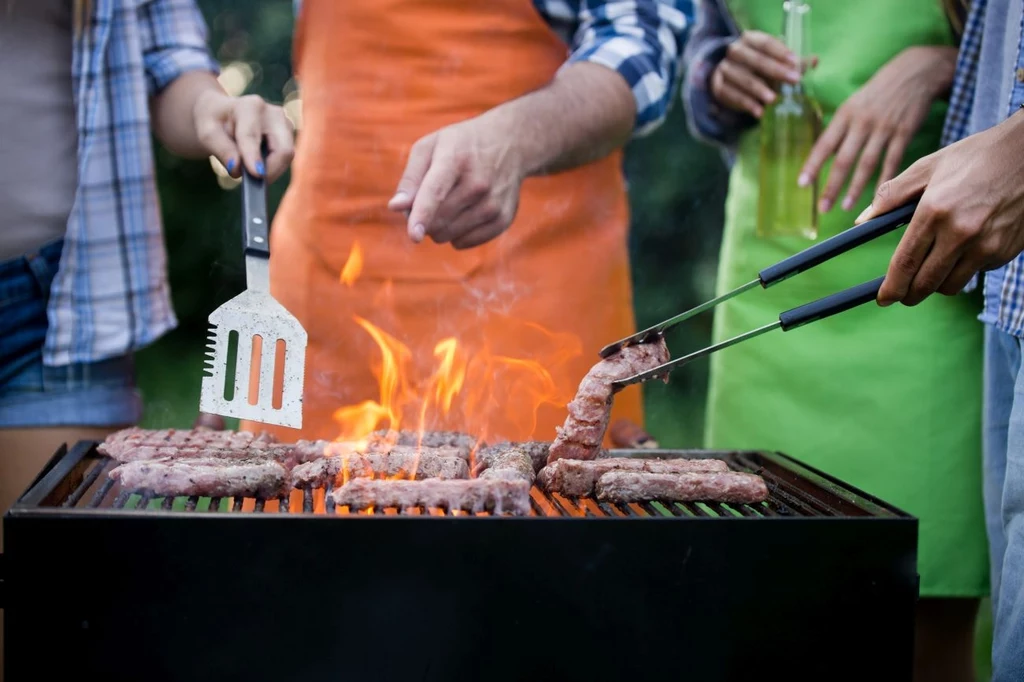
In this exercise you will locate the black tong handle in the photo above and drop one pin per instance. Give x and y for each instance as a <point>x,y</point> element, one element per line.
<point>831,305</point>
<point>834,246</point>
<point>255,228</point>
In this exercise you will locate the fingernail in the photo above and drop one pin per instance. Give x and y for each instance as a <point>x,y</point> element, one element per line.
<point>794,76</point>
<point>231,165</point>
<point>418,232</point>
<point>399,198</point>
<point>847,204</point>
<point>803,180</point>
<point>260,168</point>
<point>824,205</point>
<point>864,214</point>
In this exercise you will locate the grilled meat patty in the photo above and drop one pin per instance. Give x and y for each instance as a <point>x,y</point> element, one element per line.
<point>441,463</point>
<point>576,478</point>
<point>581,435</point>
<point>206,477</point>
<point>733,486</point>
<point>474,495</point>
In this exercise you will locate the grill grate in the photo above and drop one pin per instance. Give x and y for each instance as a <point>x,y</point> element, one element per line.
<point>795,491</point>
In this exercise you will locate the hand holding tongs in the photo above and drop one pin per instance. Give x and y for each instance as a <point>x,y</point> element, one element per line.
<point>783,270</point>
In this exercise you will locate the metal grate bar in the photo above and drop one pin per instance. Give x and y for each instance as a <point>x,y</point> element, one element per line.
<point>260,503</point>
<point>307,501</point>
<point>87,482</point>
<point>190,503</point>
<point>121,499</point>
<point>284,504</point>
<point>167,503</point>
<point>214,504</point>
<point>101,494</point>
<point>329,499</point>
<point>144,499</point>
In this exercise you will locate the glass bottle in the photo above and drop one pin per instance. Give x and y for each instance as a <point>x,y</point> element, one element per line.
<point>789,128</point>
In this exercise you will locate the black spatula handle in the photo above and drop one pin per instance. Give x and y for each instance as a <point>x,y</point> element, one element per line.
<point>255,230</point>
<point>831,305</point>
<point>839,244</point>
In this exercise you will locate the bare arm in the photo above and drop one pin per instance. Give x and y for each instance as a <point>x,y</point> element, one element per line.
<point>583,115</point>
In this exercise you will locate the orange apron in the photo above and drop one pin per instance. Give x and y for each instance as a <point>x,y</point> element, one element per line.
<point>377,75</point>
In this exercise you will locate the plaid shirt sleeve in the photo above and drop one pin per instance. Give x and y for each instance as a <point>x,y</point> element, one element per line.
<point>640,39</point>
<point>174,41</point>
<point>708,121</point>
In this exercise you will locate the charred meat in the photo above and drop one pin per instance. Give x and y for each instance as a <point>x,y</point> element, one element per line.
<point>401,461</point>
<point>581,435</point>
<point>206,477</point>
<point>535,450</point>
<point>577,478</point>
<point>474,495</point>
<point>733,486</point>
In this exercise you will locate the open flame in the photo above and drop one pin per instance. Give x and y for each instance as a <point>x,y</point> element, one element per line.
<point>353,266</point>
<point>469,388</point>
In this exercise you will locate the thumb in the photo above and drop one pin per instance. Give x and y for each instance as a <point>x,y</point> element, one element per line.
<point>908,185</point>
<point>415,170</point>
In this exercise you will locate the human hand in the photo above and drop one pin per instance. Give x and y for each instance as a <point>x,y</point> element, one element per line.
<point>880,118</point>
<point>753,63</point>
<point>970,217</point>
<point>232,128</point>
<point>461,183</point>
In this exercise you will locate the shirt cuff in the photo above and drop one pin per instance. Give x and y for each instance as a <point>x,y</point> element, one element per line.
<point>165,66</point>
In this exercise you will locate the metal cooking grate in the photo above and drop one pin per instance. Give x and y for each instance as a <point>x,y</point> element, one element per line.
<point>794,492</point>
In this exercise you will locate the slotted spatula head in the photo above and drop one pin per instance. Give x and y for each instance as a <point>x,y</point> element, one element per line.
<point>262,323</point>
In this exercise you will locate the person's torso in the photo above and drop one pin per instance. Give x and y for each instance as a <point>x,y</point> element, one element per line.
<point>1000,67</point>
<point>38,136</point>
<point>376,76</point>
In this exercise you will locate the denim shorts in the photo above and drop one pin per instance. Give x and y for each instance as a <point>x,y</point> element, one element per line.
<point>98,394</point>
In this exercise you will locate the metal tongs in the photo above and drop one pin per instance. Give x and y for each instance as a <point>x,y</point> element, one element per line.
<point>781,271</point>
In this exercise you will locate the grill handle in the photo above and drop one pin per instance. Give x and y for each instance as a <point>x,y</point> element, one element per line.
<point>837,245</point>
<point>831,305</point>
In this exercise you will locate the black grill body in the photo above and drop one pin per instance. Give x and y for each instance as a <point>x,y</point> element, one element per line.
<point>819,584</point>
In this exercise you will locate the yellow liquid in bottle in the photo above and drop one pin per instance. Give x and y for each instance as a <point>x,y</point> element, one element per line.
<point>789,129</point>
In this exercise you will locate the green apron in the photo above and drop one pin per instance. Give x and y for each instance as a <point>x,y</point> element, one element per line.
<point>888,400</point>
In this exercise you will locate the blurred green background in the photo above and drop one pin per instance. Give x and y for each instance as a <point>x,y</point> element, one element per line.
<point>677,189</point>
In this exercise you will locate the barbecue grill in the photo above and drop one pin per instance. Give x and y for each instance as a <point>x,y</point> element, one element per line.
<point>817,583</point>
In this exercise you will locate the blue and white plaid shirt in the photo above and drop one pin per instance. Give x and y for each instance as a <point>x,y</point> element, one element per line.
<point>642,40</point>
<point>1004,288</point>
<point>110,295</point>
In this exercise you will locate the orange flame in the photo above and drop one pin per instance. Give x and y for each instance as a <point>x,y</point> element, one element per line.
<point>470,389</point>
<point>353,266</point>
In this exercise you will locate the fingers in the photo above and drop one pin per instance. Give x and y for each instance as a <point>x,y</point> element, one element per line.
<point>415,170</point>
<point>479,213</point>
<point>907,260</point>
<point>213,131</point>
<point>847,155</point>
<point>935,269</point>
<point>479,235</point>
<point>824,148</point>
<point>906,186</point>
<point>249,132</point>
<point>869,159</point>
<point>770,46</point>
<point>439,180</point>
<point>894,156</point>
<point>782,67</point>
<point>748,85</point>
<point>735,98</point>
<point>958,278</point>
<point>280,137</point>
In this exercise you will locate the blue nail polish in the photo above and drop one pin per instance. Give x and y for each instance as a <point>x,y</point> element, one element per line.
<point>231,165</point>
<point>260,170</point>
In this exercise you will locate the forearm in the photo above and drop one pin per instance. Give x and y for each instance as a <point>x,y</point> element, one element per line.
<point>585,113</point>
<point>173,116</point>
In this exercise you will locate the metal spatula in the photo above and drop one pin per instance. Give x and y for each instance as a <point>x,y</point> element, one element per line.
<point>261,323</point>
